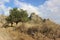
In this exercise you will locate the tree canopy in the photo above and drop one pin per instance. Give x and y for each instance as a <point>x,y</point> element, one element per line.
<point>17,16</point>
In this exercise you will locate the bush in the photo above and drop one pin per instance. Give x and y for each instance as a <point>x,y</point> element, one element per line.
<point>32,31</point>
<point>17,16</point>
<point>45,30</point>
<point>44,20</point>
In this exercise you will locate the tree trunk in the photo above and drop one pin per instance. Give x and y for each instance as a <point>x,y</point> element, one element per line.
<point>16,23</point>
<point>11,24</point>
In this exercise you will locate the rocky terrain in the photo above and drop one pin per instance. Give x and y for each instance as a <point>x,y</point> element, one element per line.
<point>36,29</point>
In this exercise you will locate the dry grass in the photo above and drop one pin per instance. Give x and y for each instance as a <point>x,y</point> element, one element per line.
<point>46,30</point>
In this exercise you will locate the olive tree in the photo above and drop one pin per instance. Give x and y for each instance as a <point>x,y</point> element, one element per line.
<point>17,16</point>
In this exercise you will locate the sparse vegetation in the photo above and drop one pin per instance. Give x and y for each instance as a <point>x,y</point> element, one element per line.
<point>45,30</point>
<point>35,29</point>
<point>44,20</point>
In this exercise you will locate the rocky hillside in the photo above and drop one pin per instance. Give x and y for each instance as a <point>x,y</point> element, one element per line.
<point>35,29</point>
<point>4,35</point>
<point>2,20</point>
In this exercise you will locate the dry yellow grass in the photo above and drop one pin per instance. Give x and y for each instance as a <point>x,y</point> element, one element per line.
<point>32,30</point>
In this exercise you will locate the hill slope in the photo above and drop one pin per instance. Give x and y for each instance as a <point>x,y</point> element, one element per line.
<point>36,29</point>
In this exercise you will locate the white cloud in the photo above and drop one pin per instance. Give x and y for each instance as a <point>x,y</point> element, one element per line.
<point>3,9</point>
<point>30,8</point>
<point>3,1</point>
<point>51,9</point>
<point>7,10</point>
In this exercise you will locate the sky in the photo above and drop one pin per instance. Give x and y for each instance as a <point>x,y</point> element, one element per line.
<point>44,8</point>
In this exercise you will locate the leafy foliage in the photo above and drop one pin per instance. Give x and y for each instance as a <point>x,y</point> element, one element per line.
<point>17,16</point>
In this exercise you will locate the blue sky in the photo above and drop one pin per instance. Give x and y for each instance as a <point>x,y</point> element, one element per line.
<point>10,4</point>
<point>32,2</point>
<point>44,8</point>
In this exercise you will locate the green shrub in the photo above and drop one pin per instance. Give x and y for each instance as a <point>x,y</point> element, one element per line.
<point>32,31</point>
<point>17,16</point>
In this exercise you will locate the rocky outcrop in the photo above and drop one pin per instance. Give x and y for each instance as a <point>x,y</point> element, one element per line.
<point>35,18</point>
<point>2,20</point>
